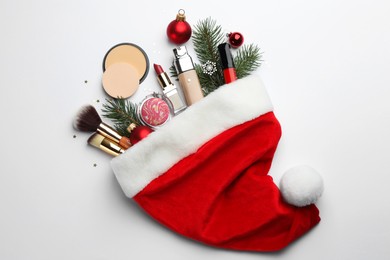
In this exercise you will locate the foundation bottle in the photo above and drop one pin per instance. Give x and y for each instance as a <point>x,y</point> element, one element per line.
<point>188,78</point>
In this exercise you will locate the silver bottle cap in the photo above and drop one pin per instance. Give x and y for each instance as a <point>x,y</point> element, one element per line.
<point>182,61</point>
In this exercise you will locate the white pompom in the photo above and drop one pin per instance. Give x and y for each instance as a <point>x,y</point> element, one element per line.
<point>301,186</point>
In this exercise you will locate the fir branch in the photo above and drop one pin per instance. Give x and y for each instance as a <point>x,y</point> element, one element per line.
<point>122,129</point>
<point>247,60</point>
<point>122,113</point>
<point>206,37</point>
<point>173,72</point>
<point>204,79</point>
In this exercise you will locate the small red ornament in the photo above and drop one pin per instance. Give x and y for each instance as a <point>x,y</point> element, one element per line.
<point>179,31</point>
<point>236,39</point>
<point>137,133</point>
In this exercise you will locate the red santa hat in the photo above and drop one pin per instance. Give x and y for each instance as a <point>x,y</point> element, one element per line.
<point>205,174</point>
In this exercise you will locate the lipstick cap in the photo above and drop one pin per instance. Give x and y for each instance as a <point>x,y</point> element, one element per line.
<point>164,80</point>
<point>225,55</point>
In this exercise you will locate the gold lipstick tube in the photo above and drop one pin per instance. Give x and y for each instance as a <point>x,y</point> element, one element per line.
<point>170,91</point>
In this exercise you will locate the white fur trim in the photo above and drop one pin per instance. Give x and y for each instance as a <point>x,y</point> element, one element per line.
<point>228,106</point>
<point>301,186</point>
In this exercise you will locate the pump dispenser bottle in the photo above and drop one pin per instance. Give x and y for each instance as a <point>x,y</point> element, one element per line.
<point>188,78</point>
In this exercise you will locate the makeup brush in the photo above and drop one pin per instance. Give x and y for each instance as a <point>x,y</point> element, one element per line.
<point>105,144</point>
<point>88,120</point>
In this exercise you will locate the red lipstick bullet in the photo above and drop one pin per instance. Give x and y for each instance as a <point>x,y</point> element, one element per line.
<point>159,70</point>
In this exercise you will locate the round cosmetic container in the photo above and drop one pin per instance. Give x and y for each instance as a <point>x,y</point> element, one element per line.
<point>128,53</point>
<point>155,110</point>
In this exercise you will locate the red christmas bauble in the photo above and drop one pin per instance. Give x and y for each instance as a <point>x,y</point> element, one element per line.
<point>236,39</point>
<point>179,31</point>
<point>138,133</point>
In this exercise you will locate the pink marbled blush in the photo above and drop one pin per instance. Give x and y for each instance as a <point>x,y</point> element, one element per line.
<point>155,111</point>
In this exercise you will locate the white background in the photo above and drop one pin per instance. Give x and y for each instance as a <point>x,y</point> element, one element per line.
<point>326,67</point>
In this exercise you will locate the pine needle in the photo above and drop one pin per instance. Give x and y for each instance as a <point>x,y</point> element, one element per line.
<point>247,60</point>
<point>173,72</point>
<point>206,37</point>
<point>122,113</point>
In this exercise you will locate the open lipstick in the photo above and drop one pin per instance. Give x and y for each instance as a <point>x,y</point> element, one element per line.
<point>229,71</point>
<point>170,90</point>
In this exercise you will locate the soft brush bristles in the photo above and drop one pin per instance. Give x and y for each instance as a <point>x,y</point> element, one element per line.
<point>87,119</point>
<point>95,140</point>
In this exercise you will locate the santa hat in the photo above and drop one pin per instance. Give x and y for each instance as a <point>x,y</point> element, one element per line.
<point>205,174</point>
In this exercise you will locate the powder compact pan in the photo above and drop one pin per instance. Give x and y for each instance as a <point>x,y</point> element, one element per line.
<point>128,60</point>
<point>131,54</point>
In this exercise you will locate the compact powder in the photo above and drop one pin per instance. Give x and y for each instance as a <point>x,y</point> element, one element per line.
<point>120,80</point>
<point>128,53</point>
<point>154,111</point>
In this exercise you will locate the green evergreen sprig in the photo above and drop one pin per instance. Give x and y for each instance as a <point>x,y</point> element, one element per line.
<point>206,37</point>
<point>122,113</point>
<point>173,72</point>
<point>247,60</point>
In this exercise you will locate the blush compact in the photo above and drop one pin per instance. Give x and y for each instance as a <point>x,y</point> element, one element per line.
<point>155,110</point>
